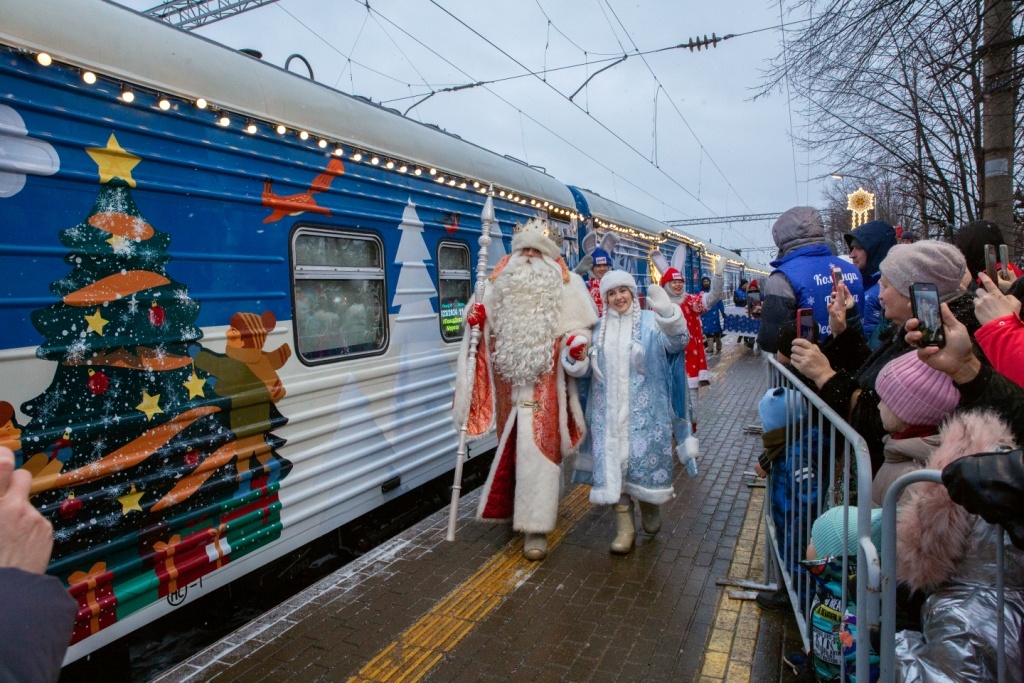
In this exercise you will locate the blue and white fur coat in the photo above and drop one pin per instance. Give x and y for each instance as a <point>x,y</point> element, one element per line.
<point>628,447</point>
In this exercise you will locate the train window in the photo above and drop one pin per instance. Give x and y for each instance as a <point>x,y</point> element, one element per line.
<point>454,284</point>
<point>340,306</point>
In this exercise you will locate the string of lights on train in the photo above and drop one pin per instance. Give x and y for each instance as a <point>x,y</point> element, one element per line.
<point>223,118</point>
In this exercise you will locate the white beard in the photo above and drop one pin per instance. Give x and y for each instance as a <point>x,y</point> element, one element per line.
<point>527,306</point>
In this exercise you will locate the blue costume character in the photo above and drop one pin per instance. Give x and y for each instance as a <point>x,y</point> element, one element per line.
<point>628,452</point>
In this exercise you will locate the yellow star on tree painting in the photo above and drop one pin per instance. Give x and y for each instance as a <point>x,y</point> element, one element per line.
<point>150,405</point>
<point>195,386</point>
<point>130,501</point>
<point>114,162</point>
<point>96,322</point>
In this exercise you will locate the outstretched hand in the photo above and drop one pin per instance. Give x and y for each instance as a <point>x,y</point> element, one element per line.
<point>658,301</point>
<point>956,358</point>
<point>26,537</point>
<point>990,303</point>
<point>811,362</point>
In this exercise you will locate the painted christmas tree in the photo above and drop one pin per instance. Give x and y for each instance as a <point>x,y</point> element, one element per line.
<point>418,399</point>
<point>134,447</point>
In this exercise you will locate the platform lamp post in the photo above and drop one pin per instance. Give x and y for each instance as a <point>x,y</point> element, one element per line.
<point>487,223</point>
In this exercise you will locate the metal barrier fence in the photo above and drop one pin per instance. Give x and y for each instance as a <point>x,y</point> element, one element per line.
<point>887,668</point>
<point>821,449</point>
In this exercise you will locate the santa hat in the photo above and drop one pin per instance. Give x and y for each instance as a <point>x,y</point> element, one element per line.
<point>600,257</point>
<point>916,393</point>
<point>617,278</point>
<point>671,275</point>
<point>537,234</point>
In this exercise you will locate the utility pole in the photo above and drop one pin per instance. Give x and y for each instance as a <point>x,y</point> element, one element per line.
<point>997,118</point>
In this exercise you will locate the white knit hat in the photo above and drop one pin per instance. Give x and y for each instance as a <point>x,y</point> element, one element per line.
<point>617,278</point>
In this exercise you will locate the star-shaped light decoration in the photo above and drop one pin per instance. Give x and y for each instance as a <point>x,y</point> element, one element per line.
<point>96,322</point>
<point>114,162</point>
<point>860,203</point>
<point>195,386</point>
<point>130,501</point>
<point>150,405</point>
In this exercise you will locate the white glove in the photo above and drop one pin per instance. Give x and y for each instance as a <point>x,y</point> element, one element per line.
<point>720,265</point>
<point>658,301</point>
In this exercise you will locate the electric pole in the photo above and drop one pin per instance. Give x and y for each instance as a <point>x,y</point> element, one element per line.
<point>997,117</point>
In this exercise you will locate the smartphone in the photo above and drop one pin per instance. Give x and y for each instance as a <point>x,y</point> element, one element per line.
<point>924,297</point>
<point>805,323</point>
<point>991,258</point>
<point>837,277</point>
<point>1004,260</point>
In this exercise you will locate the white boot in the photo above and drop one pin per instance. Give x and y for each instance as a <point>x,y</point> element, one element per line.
<point>535,546</point>
<point>625,531</point>
<point>650,517</point>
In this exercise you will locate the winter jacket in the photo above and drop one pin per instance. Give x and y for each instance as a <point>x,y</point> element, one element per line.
<point>876,238</point>
<point>803,279</point>
<point>900,456</point>
<point>38,617</point>
<point>739,297</point>
<point>991,390</point>
<point>1002,340</point>
<point>793,486</point>
<point>628,446</point>
<point>990,485</point>
<point>943,548</point>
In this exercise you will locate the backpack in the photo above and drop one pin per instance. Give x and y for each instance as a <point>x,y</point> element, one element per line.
<point>834,625</point>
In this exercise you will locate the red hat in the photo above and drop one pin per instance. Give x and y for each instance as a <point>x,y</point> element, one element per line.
<point>753,283</point>
<point>671,275</point>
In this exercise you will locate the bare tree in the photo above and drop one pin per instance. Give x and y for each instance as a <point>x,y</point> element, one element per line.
<point>893,90</point>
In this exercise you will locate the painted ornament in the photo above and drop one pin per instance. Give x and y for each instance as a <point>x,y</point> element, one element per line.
<point>98,382</point>
<point>157,316</point>
<point>70,506</point>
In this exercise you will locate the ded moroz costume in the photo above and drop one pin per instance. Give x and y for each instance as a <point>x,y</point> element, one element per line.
<point>532,308</point>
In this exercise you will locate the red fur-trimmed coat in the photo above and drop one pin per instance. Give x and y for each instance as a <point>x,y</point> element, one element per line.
<point>950,553</point>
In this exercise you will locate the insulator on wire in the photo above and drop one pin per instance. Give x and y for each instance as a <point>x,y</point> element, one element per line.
<point>704,42</point>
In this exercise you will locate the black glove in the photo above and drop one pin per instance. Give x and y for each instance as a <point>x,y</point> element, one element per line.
<point>990,485</point>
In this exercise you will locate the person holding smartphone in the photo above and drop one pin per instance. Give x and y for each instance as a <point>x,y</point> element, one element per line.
<point>869,244</point>
<point>844,369</point>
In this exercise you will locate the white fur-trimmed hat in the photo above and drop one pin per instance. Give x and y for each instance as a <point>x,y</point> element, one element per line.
<point>617,278</point>
<point>539,235</point>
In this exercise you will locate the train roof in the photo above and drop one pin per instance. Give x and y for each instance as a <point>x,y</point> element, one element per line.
<point>125,45</point>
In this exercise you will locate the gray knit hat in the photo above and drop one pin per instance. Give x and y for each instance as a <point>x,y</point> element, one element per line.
<point>926,261</point>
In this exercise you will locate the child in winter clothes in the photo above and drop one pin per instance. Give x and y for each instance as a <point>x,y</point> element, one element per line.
<point>913,400</point>
<point>627,452</point>
<point>943,549</point>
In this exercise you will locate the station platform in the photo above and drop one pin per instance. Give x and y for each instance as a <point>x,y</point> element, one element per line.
<point>419,608</point>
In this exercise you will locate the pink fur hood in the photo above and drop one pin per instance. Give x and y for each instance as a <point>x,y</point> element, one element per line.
<point>934,535</point>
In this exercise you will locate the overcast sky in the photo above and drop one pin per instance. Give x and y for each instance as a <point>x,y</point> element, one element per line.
<point>716,151</point>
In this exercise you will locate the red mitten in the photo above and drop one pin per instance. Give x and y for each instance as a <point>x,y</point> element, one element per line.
<point>577,347</point>
<point>477,315</point>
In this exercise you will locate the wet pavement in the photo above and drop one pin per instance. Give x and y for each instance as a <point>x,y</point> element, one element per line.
<point>419,608</point>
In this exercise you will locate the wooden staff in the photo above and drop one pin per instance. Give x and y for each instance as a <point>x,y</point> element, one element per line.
<point>487,223</point>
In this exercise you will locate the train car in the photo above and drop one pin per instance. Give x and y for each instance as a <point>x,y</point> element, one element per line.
<point>637,235</point>
<point>232,301</point>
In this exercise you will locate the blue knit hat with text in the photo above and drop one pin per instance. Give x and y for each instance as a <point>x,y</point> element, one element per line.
<point>600,257</point>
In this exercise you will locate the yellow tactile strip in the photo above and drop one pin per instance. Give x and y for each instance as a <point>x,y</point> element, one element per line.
<point>411,656</point>
<point>730,651</point>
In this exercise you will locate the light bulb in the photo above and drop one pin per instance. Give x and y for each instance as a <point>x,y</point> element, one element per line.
<point>476,184</point>
<point>357,156</point>
<point>440,178</point>
<point>501,193</point>
<point>127,95</point>
<point>303,135</point>
<point>338,151</point>
<point>374,160</point>
<point>224,121</point>
<point>417,172</point>
<point>322,144</point>
<point>44,59</point>
<point>281,130</point>
<point>89,77</point>
<point>452,182</point>
<point>403,168</point>
<point>164,103</point>
<point>200,103</point>
<point>251,128</point>
<point>433,171</point>
<point>390,164</point>
<point>462,185</point>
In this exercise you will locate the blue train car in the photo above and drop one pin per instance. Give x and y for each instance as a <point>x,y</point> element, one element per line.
<point>231,303</point>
